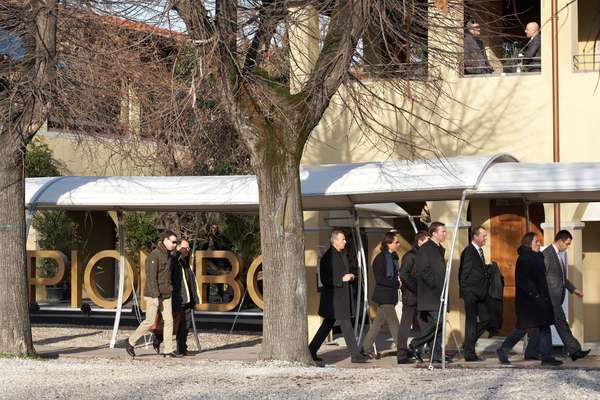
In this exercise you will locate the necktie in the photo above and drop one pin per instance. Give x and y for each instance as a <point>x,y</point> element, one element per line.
<point>481,255</point>
<point>562,266</point>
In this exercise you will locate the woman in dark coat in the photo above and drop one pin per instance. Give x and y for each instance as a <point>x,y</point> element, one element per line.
<point>385,294</point>
<point>532,301</point>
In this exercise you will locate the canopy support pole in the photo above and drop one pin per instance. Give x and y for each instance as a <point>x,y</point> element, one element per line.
<point>442,313</point>
<point>121,227</point>
<point>411,219</point>
<point>363,279</point>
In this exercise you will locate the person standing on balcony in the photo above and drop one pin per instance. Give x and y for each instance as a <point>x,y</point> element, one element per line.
<point>475,58</point>
<point>532,52</point>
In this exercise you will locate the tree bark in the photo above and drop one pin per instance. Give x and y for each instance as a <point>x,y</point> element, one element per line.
<point>15,328</point>
<point>285,327</point>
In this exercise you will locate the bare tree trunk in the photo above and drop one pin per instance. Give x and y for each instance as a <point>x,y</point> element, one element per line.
<point>15,328</point>
<point>285,329</point>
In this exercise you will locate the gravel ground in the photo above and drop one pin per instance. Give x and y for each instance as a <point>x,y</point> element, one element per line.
<point>102,379</point>
<point>97,378</point>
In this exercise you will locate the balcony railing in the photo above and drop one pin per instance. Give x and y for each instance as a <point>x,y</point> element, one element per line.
<point>516,65</point>
<point>586,62</point>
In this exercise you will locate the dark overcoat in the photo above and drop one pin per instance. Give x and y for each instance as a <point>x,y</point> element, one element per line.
<point>532,301</point>
<point>386,287</point>
<point>431,274</point>
<point>336,295</point>
<point>408,277</point>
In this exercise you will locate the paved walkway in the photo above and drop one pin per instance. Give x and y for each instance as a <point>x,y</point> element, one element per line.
<point>81,344</point>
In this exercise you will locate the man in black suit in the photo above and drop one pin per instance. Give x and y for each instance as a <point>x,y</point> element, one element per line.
<point>474,286</point>
<point>555,259</point>
<point>431,274</point>
<point>532,51</point>
<point>409,296</point>
<point>336,297</point>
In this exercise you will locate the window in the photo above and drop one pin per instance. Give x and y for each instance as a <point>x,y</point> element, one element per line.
<point>587,55</point>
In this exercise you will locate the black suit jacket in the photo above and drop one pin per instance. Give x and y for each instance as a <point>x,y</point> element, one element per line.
<point>431,273</point>
<point>533,54</point>
<point>472,275</point>
<point>386,288</point>
<point>556,277</point>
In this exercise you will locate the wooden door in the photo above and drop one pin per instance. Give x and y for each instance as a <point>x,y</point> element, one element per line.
<point>507,227</point>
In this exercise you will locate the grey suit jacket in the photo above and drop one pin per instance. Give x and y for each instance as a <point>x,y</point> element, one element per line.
<point>556,277</point>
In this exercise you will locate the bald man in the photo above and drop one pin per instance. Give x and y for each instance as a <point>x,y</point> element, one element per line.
<point>533,49</point>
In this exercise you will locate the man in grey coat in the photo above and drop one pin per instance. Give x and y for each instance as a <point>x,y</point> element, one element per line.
<point>555,259</point>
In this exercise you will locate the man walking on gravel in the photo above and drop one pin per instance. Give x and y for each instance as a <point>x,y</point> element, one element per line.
<point>157,294</point>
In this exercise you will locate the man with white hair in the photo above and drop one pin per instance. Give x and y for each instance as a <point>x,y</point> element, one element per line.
<point>336,297</point>
<point>532,51</point>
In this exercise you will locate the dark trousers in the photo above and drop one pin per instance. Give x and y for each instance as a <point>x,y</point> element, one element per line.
<point>544,341</point>
<point>428,323</point>
<point>181,334</point>
<point>406,320</point>
<point>571,345</point>
<point>326,327</point>
<point>474,310</point>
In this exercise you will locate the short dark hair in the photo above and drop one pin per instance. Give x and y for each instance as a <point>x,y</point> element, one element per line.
<point>528,239</point>
<point>388,239</point>
<point>475,231</point>
<point>434,227</point>
<point>167,234</point>
<point>334,234</point>
<point>563,235</point>
<point>420,236</point>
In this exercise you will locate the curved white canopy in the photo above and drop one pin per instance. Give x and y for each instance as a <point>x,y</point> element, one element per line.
<point>325,187</point>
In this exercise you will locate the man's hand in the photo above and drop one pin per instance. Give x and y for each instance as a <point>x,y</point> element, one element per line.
<point>347,277</point>
<point>578,293</point>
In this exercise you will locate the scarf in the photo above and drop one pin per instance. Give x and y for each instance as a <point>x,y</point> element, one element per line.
<point>391,265</point>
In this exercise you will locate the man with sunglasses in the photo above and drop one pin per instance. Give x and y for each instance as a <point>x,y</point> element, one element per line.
<point>157,294</point>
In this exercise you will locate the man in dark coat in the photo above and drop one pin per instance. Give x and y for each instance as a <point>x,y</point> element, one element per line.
<point>475,58</point>
<point>473,289</point>
<point>183,300</point>
<point>532,302</point>
<point>409,296</point>
<point>336,297</point>
<point>532,52</point>
<point>157,294</point>
<point>555,260</point>
<point>431,275</point>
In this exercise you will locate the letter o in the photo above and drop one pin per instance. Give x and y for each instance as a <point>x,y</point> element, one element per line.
<point>89,279</point>
<point>252,280</point>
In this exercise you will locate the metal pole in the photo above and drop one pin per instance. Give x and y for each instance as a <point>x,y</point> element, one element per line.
<point>363,278</point>
<point>121,227</point>
<point>555,101</point>
<point>527,225</point>
<point>444,298</point>
<point>411,219</point>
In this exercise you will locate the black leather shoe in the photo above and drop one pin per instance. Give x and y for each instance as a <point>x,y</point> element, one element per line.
<point>406,360</point>
<point>580,354</point>
<point>416,352</point>
<point>315,357</point>
<point>502,356</point>
<point>439,360</point>
<point>551,362</point>
<point>532,357</point>
<point>358,359</point>
<point>472,358</point>
<point>129,348</point>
